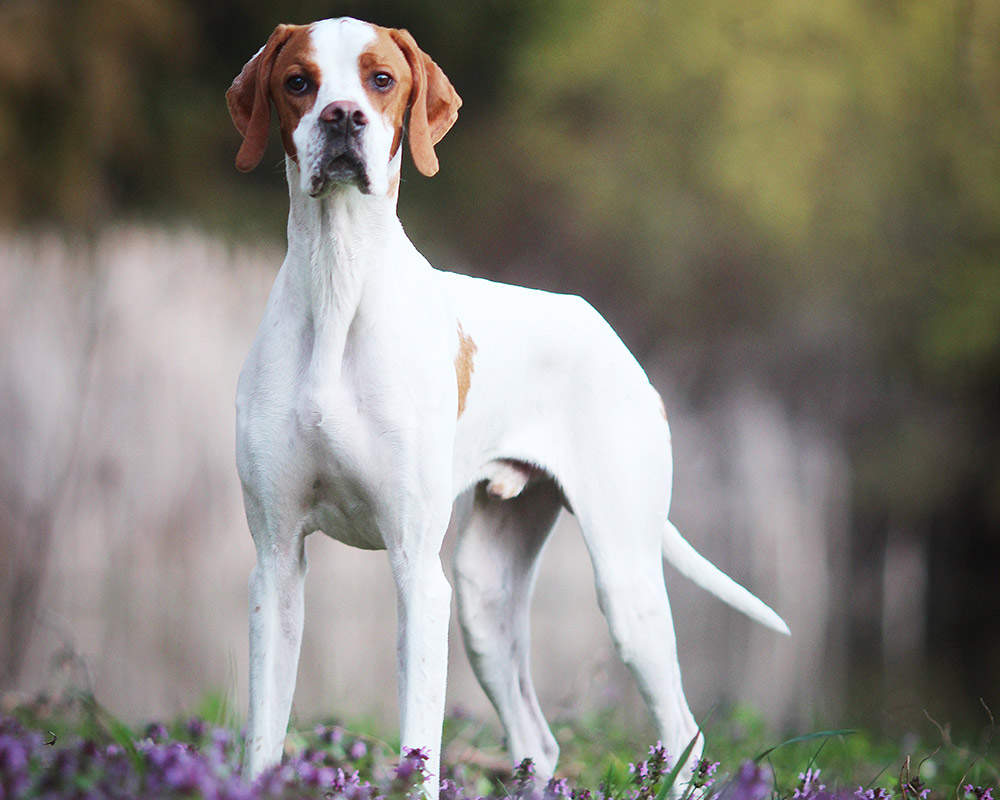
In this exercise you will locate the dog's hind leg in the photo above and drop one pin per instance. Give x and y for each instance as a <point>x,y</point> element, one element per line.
<point>496,559</point>
<point>628,572</point>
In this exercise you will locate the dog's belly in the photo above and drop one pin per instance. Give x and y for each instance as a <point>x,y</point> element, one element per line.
<point>344,514</point>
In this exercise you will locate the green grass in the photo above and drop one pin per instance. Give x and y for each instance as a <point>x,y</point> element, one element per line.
<point>598,754</point>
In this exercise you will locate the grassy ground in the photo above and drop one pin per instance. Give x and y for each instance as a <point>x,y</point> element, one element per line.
<point>75,748</point>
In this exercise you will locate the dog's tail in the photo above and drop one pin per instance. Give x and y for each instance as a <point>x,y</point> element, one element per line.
<point>693,565</point>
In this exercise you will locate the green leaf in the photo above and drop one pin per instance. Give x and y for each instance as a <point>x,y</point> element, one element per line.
<point>806,738</point>
<point>671,779</point>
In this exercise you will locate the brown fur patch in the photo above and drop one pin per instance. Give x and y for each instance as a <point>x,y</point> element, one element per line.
<point>262,81</point>
<point>384,55</point>
<point>434,103</point>
<point>295,58</point>
<point>464,366</point>
<point>663,408</point>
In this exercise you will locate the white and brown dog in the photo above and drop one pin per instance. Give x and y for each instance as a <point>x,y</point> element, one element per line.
<point>380,389</point>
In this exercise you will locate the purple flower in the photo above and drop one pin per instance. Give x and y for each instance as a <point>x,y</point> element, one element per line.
<point>270,781</point>
<point>649,773</point>
<point>357,750</point>
<point>915,787</point>
<point>316,775</point>
<point>405,770</point>
<point>329,734</point>
<point>659,760</point>
<point>877,793</point>
<point>417,754</point>
<point>222,737</point>
<point>808,786</point>
<point>702,773</point>
<point>156,732</point>
<point>751,783</point>
<point>338,782</point>
<point>14,761</point>
<point>641,770</point>
<point>450,791</point>
<point>524,781</point>
<point>196,728</point>
<point>356,790</point>
<point>525,770</point>
<point>410,769</point>
<point>13,755</point>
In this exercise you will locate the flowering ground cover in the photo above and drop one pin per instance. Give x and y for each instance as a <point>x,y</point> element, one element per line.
<point>83,752</point>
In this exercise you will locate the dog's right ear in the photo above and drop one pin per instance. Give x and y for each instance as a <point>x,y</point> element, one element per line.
<point>249,100</point>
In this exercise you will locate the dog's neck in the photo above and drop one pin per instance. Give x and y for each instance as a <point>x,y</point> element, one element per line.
<point>342,230</point>
<point>342,236</point>
<point>337,246</point>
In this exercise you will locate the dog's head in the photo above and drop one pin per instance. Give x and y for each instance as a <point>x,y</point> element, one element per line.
<point>344,90</point>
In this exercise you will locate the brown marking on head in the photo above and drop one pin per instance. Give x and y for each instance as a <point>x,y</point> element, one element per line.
<point>294,62</point>
<point>266,78</point>
<point>418,86</point>
<point>464,366</point>
<point>663,408</point>
<point>384,58</point>
<point>433,102</point>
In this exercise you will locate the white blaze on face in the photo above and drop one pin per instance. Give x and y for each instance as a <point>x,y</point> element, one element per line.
<point>337,49</point>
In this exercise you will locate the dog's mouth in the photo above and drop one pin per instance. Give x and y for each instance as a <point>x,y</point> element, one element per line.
<point>339,166</point>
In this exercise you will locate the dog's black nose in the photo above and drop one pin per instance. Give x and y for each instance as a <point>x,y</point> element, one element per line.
<point>344,116</point>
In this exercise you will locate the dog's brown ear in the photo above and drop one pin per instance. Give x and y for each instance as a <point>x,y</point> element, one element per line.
<point>434,103</point>
<point>249,100</point>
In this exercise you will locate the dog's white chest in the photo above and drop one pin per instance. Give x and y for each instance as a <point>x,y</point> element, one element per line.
<point>342,461</point>
<point>311,444</point>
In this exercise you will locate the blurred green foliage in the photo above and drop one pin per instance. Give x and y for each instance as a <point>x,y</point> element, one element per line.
<point>803,195</point>
<point>116,107</point>
<point>806,195</point>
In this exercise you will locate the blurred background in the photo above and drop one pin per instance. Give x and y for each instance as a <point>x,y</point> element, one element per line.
<point>790,212</point>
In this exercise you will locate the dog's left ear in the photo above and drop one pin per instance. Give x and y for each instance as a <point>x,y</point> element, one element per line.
<point>249,100</point>
<point>434,103</point>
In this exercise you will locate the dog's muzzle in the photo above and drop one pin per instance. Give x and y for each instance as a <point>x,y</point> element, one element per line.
<point>341,126</point>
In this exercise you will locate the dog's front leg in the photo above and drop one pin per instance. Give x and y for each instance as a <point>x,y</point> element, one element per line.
<point>423,605</point>
<point>277,606</point>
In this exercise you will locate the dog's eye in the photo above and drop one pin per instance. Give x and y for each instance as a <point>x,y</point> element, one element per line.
<point>297,84</point>
<point>382,80</point>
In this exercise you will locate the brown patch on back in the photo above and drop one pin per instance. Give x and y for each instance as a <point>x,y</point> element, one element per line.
<point>384,55</point>
<point>464,366</point>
